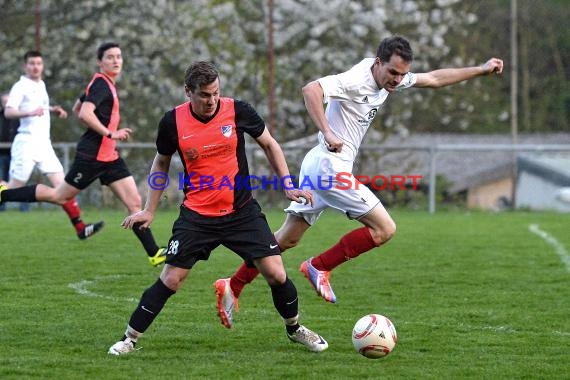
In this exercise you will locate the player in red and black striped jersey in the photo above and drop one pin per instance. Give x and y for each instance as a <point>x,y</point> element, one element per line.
<point>212,151</point>
<point>96,154</point>
<point>102,93</point>
<point>208,134</point>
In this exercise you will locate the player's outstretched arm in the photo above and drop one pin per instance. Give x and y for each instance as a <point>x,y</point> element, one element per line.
<point>446,77</point>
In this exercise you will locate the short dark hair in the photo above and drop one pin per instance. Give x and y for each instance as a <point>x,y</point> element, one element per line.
<point>104,47</point>
<point>31,53</point>
<point>395,45</point>
<point>200,73</point>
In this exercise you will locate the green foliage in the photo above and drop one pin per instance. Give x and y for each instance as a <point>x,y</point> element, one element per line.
<point>312,39</point>
<point>472,295</point>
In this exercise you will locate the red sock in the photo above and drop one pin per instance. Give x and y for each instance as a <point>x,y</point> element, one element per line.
<point>241,278</point>
<point>349,246</point>
<point>74,213</point>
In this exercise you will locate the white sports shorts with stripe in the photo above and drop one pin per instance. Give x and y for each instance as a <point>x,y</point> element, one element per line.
<point>29,152</point>
<point>333,186</point>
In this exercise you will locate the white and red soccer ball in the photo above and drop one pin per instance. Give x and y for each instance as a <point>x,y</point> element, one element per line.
<point>563,194</point>
<point>374,336</point>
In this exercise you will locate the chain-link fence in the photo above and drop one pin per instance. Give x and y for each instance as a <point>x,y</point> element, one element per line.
<point>427,171</point>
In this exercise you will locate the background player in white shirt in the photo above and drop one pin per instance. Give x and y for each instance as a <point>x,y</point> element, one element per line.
<point>29,101</point>
<point>96,154</point>
<point>354,98</point>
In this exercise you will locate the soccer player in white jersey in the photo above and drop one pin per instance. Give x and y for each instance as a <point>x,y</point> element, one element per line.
<point>28,101</point>
<point>353,98</point>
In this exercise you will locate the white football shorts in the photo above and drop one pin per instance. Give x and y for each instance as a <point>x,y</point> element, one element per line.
<point>333,186</point>
<point>28,153</point>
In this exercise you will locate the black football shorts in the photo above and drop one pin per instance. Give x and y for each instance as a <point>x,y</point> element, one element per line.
<point>245,232</point>
<point>83,172</point>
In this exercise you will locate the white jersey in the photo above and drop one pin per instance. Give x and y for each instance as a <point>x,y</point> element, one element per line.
<point>353,99</point>
<point>29,95</point>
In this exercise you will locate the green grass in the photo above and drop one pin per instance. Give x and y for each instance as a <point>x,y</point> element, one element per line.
<point>472,295</point>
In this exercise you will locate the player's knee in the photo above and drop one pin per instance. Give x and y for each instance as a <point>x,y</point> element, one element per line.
<point>64,198</point>
<point>385,233</point>
<point>390,232</point>
<point>286,244</point>
<point>276,280</point>
<point>173,282</point>
<point>54,195</point>
<point>276,277</point>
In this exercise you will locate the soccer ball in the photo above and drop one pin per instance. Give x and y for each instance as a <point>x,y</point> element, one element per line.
<point>374,336</point>
<point>563,194</point>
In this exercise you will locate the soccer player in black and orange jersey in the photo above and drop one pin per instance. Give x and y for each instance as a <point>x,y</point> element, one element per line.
<point>208,134</point>
<point>96,154</point>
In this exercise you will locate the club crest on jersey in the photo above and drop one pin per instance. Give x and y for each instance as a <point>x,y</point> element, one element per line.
<point>371,114</point>
<point>226,130</point>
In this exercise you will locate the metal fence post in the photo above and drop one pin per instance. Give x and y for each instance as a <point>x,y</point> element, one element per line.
<point>66,157</point>
<point>432,180</point>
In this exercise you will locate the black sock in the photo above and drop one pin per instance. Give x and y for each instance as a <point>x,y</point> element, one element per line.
<point>125,338</point>
<point>150,305</point>
<point>292,328</point>
<point>145,237</point>
<point>285,299</point>
<point>21,194</point>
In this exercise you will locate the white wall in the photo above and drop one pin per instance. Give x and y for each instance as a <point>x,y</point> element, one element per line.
<point>537,194</point>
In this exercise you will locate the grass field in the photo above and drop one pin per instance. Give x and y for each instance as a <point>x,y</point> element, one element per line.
<point>472,295</point>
